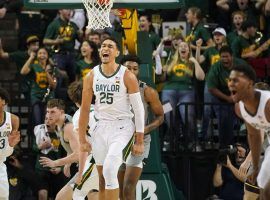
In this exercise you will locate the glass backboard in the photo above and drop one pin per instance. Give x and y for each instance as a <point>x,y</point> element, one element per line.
<point>72,4</point>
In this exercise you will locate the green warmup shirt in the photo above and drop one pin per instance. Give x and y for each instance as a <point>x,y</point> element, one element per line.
<point>211,57</point>
<point>39,83</point>
<point>218,76</point>
<point>63,29</point>
<point>196,33</point>
<point>83,68</point>
<point>242,45</point>
<point>181,77</point>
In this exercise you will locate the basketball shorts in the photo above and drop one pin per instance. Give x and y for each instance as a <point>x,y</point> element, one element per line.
<point>137,161</point>
<point>110,138</point>
<point>89,180</point>
<point>4,187</point>
<point>264,174</point>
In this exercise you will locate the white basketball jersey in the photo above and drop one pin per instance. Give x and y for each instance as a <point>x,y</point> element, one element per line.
<point>5,130</point>
<point>112,100</point>
<point>259,120</point>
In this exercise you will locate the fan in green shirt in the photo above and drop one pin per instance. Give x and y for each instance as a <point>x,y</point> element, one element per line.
<point>20,57</point>
<point>197,31</point>
<point>89,52</point>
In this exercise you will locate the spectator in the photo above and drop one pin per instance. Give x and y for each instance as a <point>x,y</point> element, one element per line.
<point>197,31</point>
<point>20,58</point>
<point>245,46</point>
<point>179,87</point>
<point>238,17</point>
<point>226,175</point>
<point>209,57</point>
<point>43,80</point>
<point>9,6</point>
<point>90,58</point>
<point>61,35</point>
<point>217,85</point>
<point>145,24</point>
<point>94,36</point>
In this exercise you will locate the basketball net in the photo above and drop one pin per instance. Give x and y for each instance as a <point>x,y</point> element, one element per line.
<point>98,12</point>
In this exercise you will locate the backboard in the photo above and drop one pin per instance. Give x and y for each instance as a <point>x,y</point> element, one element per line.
<point>72,4</point>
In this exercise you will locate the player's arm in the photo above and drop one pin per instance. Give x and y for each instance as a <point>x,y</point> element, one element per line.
<point>14,136</point>
<point>87,95</point>
<point>255,144</point>
<point>151,97</point>
<point>132,85</point>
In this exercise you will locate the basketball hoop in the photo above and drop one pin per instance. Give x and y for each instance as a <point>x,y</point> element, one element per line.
<point>98,12</point>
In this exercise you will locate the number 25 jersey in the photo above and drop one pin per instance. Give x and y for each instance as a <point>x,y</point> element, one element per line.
<point>112,99</point>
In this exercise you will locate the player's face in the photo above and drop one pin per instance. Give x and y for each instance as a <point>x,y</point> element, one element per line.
<point>238,20</point>
<point>238,85</point>
<point>133,67</point>
<point>95,39</point>
<point>108,51</point>
<point>2,103</point>
<point>86,49</point>
<point>219,38</point>
<point>42,54</point>
<point>53,115</point>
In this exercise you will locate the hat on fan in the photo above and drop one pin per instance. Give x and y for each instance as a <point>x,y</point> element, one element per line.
<point>31,39</point>
<point>220,30</point>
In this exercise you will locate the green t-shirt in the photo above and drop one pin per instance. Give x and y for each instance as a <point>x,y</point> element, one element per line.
<point>242,45</point>
<point>39,83</point>
<point>231,37</point>
<point>82,68</point>
<point>181,77</point>
<point>155,40</point>
<point>211,57</point>
<point>65,30</point>
<point>196,33</point>
<point>218,76</point>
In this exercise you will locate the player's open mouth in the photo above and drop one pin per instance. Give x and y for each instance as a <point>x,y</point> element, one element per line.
<point>105,55</point>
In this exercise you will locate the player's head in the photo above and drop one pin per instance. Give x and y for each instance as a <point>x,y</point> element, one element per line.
<point>75,92</point>
<point>241,82</point>
<point>55,108</point>
<point>32,43</point>
<point>132,63</point>
<point>226,57</point>
<point>109,50</point>
<point>4,97</point>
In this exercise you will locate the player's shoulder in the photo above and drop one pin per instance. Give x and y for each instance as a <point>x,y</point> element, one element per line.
<point>14,117</point>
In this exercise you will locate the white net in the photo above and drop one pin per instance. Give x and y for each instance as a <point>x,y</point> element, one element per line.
<point>98,12</point>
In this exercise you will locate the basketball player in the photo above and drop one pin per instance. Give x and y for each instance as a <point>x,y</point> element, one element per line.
<point>253,106</point>
<point>115,89</point>
<point>130,172</point>
<point>9,137</point>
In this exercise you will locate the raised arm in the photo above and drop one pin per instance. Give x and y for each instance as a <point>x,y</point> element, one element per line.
<point>26,67</point>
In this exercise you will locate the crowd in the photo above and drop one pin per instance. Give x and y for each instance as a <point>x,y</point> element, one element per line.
<point>192,71</point>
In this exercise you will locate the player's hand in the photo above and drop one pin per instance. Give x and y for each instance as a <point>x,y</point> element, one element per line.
<point>252,178</point>
<point>14,138</point>
<point>137,149</point>
<point>79,178</point>
<point>56,170</point>
<point>243,169</point>
<point>14,162</point>
<point>67,170</point>
<point>45,145</point>
<point>85,146</point>
<point>47,162</point>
